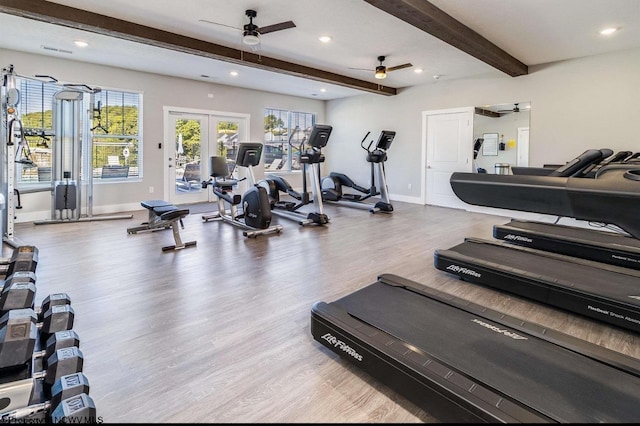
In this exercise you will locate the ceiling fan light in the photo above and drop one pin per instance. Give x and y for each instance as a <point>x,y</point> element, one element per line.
<point>251,37</point>
<point>381,72</point>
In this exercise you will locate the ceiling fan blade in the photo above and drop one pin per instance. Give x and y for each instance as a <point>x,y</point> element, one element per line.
<point>276,27</point>
<point>218,23</point>
<point>399,67</point>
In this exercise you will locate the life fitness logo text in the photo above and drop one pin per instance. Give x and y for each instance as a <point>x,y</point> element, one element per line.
<point>499,330</point>
<point>460,270</point>
<point>518,238</point>
<point>341,345</point>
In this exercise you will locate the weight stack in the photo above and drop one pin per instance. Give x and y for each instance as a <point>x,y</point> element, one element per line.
<point>65,195</point>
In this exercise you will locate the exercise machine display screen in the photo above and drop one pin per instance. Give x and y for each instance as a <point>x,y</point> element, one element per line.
<point>320,135</point>
<point>385,139</point>
<point>249,154</point>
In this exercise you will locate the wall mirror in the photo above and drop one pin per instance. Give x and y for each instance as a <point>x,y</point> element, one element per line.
<point>510,121</point>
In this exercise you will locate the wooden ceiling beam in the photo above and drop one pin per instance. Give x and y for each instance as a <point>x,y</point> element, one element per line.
<point>425,16</point>
<point>58,14</point>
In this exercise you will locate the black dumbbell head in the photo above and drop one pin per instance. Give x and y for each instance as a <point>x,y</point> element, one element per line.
<point>24,258</point>
<point>20,277</point>
<point>57,318</point>
<point>77,409</point>
<point>55,299</point>
<point>18,295</point>
<point>68,386</point>
<point>18,335</point>
<point>59,340</point>
<point>63,362</point>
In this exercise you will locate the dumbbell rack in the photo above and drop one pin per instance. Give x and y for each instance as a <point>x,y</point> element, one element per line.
<point>41,377</point>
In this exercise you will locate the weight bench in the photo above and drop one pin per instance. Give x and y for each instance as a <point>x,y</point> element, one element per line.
<point>164,215</point>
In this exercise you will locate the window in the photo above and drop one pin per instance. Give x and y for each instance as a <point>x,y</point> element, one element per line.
<point>33,158</point>
<point>115,128</point>
<point>284,133</point>
<point>227,141</point>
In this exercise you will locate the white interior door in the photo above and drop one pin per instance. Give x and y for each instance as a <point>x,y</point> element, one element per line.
<point>448,141</point>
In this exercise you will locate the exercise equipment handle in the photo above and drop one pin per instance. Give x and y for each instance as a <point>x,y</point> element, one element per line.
<point>292,134</point>
<point>368,148</point>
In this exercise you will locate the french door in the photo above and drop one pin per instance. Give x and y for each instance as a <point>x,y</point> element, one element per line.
<point>192,138</point>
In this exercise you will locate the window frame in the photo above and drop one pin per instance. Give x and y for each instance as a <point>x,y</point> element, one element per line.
<point>40,111</point>
<point>98,170</point>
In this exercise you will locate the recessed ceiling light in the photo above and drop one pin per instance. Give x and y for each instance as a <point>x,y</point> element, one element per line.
<point>418,70</point>
<point>81,43</point>
<point>608,31</point>
<point>324,39</point>
<point>323,90</point>
<point>234,73</point>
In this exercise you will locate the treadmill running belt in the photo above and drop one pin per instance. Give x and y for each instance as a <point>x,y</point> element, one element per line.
<point>605,292</point>
<point>600,246</point>
<point>550,380</point>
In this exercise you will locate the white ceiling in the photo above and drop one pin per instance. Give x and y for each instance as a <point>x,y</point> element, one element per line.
<point>532,31</point>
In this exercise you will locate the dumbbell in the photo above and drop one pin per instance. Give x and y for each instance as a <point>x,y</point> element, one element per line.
<point>69,402</point>
<point>66,362</point>
<point>19,330</point>
<point>18,291</point>
<point>62,358</point>
<point>24,258</point>
<point>22,393</point>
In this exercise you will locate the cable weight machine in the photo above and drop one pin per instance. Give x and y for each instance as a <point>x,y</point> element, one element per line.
<point>71,168</point>
<point>10,126</point>
<point>70,142</point>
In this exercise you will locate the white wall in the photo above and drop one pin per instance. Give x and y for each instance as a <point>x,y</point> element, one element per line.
<point>158,91</point>
<point>577,104</point>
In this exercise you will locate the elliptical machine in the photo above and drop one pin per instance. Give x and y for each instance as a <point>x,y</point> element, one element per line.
<point>255,217</point>
<point>310,159</point>
<point>332,185</point>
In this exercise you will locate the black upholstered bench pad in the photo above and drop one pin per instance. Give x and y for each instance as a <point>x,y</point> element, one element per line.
<point>151,204</point>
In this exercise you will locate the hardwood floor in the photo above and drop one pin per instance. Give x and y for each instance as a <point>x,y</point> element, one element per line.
<point>220,332</point>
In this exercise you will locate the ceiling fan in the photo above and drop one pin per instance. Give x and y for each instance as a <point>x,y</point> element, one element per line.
<point>251,32</point>
<point>382,70</point>
<point>507,111</point>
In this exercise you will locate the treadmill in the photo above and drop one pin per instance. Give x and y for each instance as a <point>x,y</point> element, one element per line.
<point>601,246</point>
<point>598,290</point>
<point>462,362</point>
<point>610,197</point>
<point>607,293</point>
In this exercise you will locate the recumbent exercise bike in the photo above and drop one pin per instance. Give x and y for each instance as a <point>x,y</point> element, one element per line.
<point>255,216</point>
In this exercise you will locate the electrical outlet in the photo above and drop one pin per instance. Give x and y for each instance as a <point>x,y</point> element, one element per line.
<point>151,190</point>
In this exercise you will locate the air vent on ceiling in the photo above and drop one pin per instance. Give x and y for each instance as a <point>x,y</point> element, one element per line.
<point>55,49</point>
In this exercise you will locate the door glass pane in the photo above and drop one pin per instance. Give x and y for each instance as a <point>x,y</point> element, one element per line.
<point>227,138</point>
<point>188,148</point>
